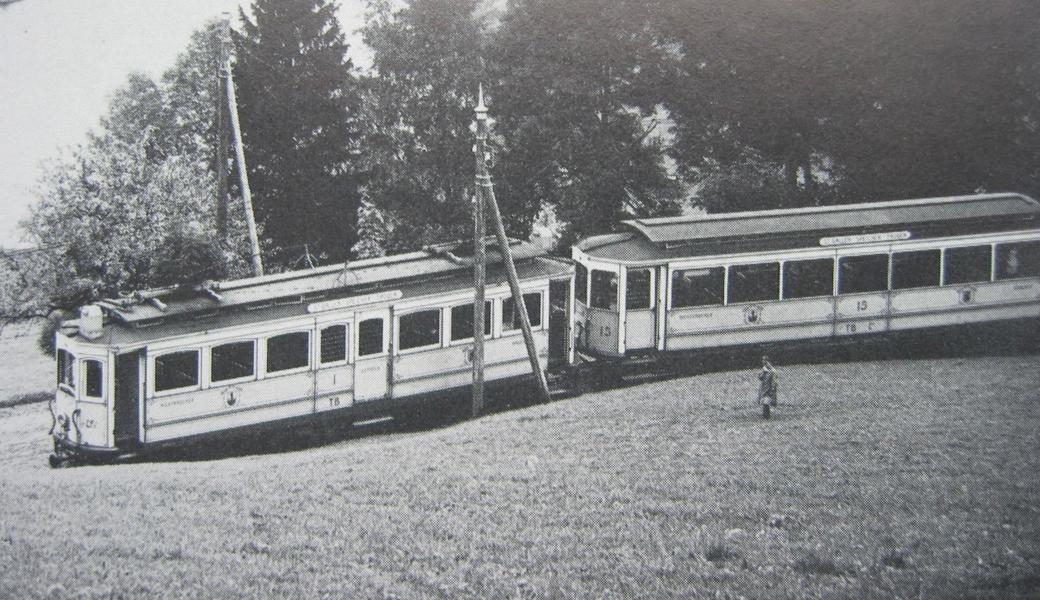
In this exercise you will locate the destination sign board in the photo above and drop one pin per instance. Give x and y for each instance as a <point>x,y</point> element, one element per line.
<point>865,238</point>
<point>342,303</point>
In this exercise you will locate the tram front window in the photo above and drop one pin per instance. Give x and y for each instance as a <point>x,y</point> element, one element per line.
<point>604,290</point>
<point>638,290</point>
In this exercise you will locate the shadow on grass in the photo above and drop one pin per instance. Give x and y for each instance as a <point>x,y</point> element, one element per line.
<point>814,564</point>
<point>32,398</point>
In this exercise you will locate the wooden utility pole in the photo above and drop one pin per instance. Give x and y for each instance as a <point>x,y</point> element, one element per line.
<point>243,178</point>
<point>220,158</point>
<point>479,258</point>
<point>486,193</point>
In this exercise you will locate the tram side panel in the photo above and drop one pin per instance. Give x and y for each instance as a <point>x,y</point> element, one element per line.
<point>965,304</point>
<point>715,326</point>
<point>228,407</point>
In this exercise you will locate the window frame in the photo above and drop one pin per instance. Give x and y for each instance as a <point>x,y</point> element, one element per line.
<point>998,262</point>
<point>728,282</point>
<point>68,364</point>
<point>784,278</point>
<point>153,372</point>
<point>291,370</point>
<point>85,395</point>
<point>256,360</point>
<point>489,323</point>
<point>653,287</point>
<point>384,348</point>
<point>519,328</point>
<point>347,344</point>
<point>892,269</point>
<point>617,290</point>
<point>989,263</point>
<point>672,271</point>
<point>398,350</point>
<point>581,292</point>
<point>872,253</point>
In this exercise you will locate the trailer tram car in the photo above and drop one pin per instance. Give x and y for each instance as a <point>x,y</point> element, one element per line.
<point>844,273</point>
<point>350,341</point>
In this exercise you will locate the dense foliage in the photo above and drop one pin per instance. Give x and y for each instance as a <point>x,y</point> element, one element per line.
<point>299,104</point>
<point>133,206</point>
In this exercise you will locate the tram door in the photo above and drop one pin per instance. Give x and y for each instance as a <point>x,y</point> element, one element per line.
<point>372,364</point>
<point>127,398</point>
<point>640,313</point>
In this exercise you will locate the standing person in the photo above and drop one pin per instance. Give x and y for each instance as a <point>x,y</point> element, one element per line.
<point>767,386</point>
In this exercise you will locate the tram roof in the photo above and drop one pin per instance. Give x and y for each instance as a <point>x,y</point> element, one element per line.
<point>435,270</point>
<point>671,237</point>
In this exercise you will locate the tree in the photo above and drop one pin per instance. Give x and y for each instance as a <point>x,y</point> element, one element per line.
<point>131,208</point>
<point>863,100</point>
<point>427,62</point>
<point>577,90</point>
<point>299,108</point>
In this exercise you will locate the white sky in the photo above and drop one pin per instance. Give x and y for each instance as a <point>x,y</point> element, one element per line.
<point>60,61</point>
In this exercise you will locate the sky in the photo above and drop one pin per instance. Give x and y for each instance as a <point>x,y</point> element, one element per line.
<point>60,61</point>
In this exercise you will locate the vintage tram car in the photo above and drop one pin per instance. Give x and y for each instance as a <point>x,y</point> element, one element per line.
<point>780,276</point>
<point>345,341</point>
<point>376,336</point>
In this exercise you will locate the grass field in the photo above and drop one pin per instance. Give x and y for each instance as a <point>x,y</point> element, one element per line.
<point>899,479</point>
<point>26,375</point>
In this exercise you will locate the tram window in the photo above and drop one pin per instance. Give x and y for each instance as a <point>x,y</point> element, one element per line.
<point>859,274</point>
<point>808,278</point>
<point>1017,260</point>
<point>915,269</point>
<point>638,292</point>
<point>94,379</point>
<point>697,287</point>
<point>753,283</point>
<point>231,361</point>
<point>603,293</point>
<point>66,369</point>
<point>420,329</point>
<point>967,265</point>
<point>581,283</point>
<point>370,337</point>
<point>462,321</point>
<point>334,344</point>
<point>511,318</point>
<point>176,370</point>
<point>288,351</point>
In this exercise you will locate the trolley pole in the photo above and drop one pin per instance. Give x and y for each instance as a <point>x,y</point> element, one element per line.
<point>479,258</point>
<point>220,116</point>
<point>243,178</point>
<point>487,194</point>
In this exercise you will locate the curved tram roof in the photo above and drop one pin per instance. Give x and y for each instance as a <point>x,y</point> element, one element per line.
<point>663,238</point>
<point>435,270</point>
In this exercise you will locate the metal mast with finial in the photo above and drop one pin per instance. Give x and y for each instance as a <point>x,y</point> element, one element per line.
<point>479,259</point>
<point>486,194</point>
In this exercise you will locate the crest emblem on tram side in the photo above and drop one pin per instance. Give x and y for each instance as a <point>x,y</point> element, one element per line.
<point>753,315</point>
<point>967,295</point>
<point>231,395</point>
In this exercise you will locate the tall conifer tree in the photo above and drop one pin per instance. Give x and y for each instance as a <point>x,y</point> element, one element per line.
<point>298,106</point>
